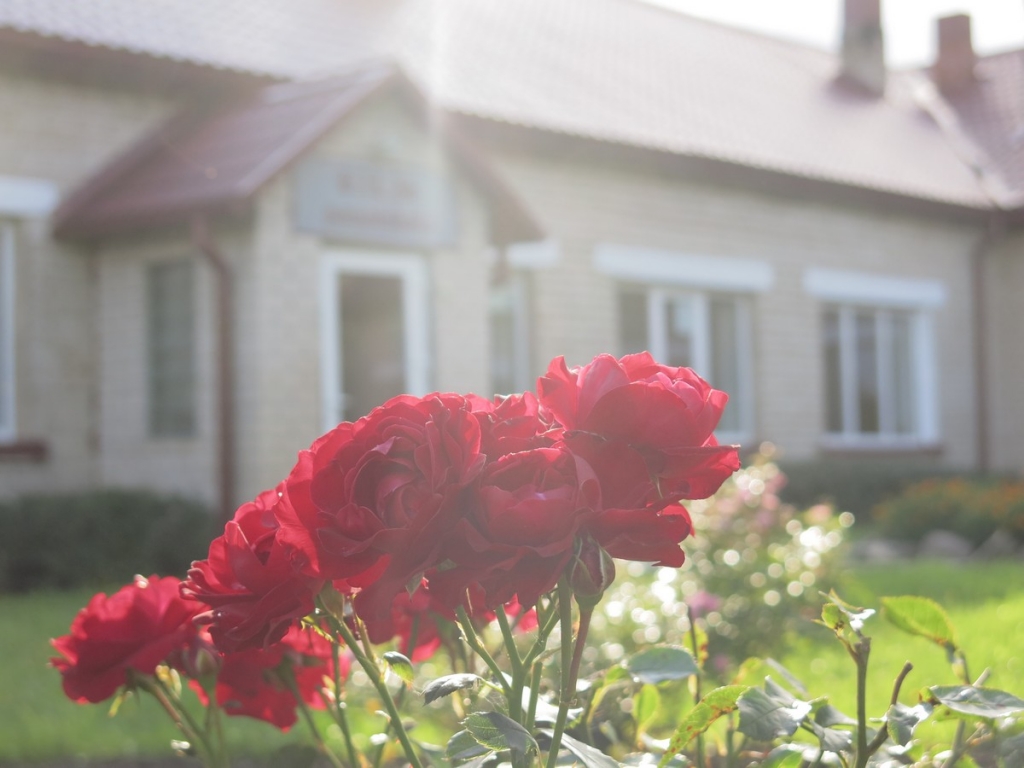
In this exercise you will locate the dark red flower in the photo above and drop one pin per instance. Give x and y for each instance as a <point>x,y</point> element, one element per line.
<point>254,682</point>
<point>666,414</point>
<point>386,487</point>
<point>248,580</point>
<point>137,628</point>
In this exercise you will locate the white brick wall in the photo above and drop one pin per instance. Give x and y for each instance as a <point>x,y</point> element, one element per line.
<point>1004,315</point>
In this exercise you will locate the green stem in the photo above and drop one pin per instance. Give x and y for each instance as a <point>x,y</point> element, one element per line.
<point>338,708</point>
<point>186,724</point>
<point>697,688</point>
<point>287,676</point>
<point>531,714</point>
<point>373,672</point>
<point>474,642</point>
<point>566,695</point>
<point>544,628</point>
<point>861,654</point>
<point>510,642</point>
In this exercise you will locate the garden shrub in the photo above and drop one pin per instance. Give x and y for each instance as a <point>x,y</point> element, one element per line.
<point>974,509</point>
<point>755,567</point>
<point>98,538</point>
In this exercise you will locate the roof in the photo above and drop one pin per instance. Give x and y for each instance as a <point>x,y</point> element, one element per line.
<point>199,164</point>
<point>990,113</point>
<point>618,71</point>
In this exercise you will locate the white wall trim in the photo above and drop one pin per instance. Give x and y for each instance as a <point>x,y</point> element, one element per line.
<point>27,198</point>
<point>651,265</point>
<point>874,290</point>
<point>412,270</point>
<point>542,254</point>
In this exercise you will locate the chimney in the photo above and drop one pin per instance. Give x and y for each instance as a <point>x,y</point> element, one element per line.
<point>954,64</point>
<point>863,51</point>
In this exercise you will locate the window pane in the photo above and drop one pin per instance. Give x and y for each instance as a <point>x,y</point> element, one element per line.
<point>833,373</point>
<point>372,341</point>
<point>725,362</point>
<point>170,293</point>
<point>680,321</point>
<point>867,371</point>
<point>6,329</point>
<point>509,356</point>
<point>903,374</point>
<point>633,335</point>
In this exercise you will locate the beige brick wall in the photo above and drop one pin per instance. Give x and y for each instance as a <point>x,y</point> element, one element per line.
<point>279,316</point>
<point>128,455</point>
<point>1004,314</point>
<point>59,133</point>
<point>576,313</point>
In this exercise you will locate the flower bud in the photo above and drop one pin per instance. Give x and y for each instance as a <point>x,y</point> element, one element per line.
<point>200,660</point>
<point>591,572</point>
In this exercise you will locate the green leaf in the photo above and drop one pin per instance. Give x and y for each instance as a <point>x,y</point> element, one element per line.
<point>400,665</point>
<point>828,716</point>
<point>901,720</point>
<point>784,756</point>
<point>978,702</point>
<point>588,755</point>
<point>764,717</point>
<point>920,616</point>
<point>645,705</point>
<point>462,746</point>
<point>661,663</point>
<point>496,731</point>
<point>855,615</point>
<point>832,740</point>
<point>1012,751</point>
<point>714,705</point>
<point>447,685</point>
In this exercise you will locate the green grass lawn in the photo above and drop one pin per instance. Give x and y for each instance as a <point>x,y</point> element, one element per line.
<point>985,601</point>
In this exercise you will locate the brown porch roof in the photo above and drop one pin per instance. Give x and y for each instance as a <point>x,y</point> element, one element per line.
<point>216,162</point>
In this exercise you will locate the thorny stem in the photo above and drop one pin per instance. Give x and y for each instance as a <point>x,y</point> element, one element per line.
<point>860,653</point>
<point>287,676</point>
<point>538,669</point>
<point>338,710</point>
<point>186,724</point>
<point>565,697</point>
<point>476,645</point>
<point>697,690</point>
<point>373,672</point>
<point>879,740</point>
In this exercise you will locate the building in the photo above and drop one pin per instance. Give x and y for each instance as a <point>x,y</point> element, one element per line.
<point>225,227</point>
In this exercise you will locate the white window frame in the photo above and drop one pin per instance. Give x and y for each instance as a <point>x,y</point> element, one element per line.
<point>849,292</point>
<point>8,413</point>
<point>664,274</point>
<point>411,269</point>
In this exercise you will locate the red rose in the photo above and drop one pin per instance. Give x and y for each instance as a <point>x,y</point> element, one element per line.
<point>249,581</point>
<point>666,414</point>
<point>520,526</point>
<point>252,683</point>
<point>136,628</point>
<point>515,423</point>
<point>384,487</point>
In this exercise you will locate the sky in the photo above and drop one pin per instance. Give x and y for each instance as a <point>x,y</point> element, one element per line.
<point>909,25</point>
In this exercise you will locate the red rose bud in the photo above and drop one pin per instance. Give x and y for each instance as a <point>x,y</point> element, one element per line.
<point>592,571</point>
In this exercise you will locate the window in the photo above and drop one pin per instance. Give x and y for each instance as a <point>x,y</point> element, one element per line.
<point>7,421</point>
<point>878,358</point>
<point>374,332</point>
<point>874,373</point>
<point>709,332</point>
<point>509,335</point>
<point>170,294</point>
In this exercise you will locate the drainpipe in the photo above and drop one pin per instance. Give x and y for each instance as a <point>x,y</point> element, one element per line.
<point>225,369</point>
<point>985,244</point>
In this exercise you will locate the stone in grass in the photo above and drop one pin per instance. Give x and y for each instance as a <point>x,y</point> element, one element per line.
<point>1000,544</point>
<point>944,544</point>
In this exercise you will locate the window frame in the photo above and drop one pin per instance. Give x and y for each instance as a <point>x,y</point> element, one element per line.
<point>411,269</point>
<point>154,429</point>
<point>8,394</point>
<point>849,292</point>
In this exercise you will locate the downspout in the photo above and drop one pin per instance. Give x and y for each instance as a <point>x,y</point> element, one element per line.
<point>226,463</point>
<point>993,233</point>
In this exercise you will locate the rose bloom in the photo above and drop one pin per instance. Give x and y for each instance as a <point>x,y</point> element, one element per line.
<point>385,488</point>
<point>252,683</point>
<point>666,414</point>
<point>248,580</point>
<point>134,630</point>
